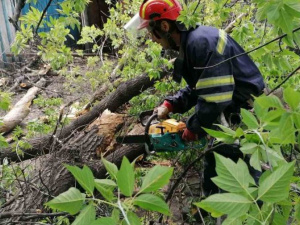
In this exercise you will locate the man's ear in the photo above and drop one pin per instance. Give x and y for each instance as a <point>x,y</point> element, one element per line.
<point>164,26</point>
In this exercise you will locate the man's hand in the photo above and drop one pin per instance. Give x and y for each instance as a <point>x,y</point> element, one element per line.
<point>189,135</point>
<point>163,110</point>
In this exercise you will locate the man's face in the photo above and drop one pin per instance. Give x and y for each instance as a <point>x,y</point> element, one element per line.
<point>162,40</point>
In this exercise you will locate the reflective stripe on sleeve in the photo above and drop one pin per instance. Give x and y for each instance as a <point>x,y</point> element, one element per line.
<point>218,97</point>
<point>222,42</point>
<point>215,82</point>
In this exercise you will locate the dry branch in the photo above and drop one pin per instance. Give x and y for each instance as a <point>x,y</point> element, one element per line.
<point>21,109</point>
<point>15,18</point>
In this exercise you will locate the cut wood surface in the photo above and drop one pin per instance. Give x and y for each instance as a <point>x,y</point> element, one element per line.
<point>21,109</point>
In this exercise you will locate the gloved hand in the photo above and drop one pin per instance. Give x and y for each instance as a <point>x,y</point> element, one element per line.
<point>163,110</point>
<point>189,135</point>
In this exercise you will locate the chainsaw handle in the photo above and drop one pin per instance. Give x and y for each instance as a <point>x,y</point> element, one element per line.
<point>148,124</point>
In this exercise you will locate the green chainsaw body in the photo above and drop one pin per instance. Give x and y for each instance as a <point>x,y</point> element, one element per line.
<point>163,136</point>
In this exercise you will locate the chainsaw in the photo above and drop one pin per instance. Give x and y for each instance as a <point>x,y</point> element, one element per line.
<point>164,136</point>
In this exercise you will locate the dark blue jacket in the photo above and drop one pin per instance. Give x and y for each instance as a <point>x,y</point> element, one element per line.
<point>216,89</point>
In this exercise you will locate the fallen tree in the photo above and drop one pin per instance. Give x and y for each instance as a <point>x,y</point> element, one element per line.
<point>124,92</point>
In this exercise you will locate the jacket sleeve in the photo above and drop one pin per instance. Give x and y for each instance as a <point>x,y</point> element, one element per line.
<point>186,98</point>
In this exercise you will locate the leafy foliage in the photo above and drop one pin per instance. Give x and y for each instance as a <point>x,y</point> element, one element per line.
<point>122,180</point>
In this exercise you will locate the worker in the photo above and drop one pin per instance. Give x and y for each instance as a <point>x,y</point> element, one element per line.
<point>212,89</point>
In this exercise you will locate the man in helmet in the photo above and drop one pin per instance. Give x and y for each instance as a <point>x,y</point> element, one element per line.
<point>218,89</point>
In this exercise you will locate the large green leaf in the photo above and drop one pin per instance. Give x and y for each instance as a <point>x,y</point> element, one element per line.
<point>86,216</point>
<point>220,136</point>
<point>125,178</point>
<point>106,191</point>
<point>292,98</point>
<point>275,187</point>
<point>84,177</point>
<point>232,204</point>
<point>104,221</point>
<point>232,177</point>
<point>70,201</point>
<point>249,119</point>
<point>156,178</point>
<point>111,168</point>
<point>152,203</point>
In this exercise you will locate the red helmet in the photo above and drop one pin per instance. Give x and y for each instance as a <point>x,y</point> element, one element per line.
<point>158,10</point>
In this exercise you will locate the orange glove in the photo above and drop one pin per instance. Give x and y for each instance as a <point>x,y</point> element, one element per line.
<point>189,135</point>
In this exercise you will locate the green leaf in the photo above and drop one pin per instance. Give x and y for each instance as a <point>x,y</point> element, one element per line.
<point>156,178</point>
<point>297,211</point>
<point>227,130</point>
<point>220,136</point>
<point>125,178</point>
<point>152,203</point>
<point>284,22</point>
<point>285,133</point>
<point>269,102</point>
<point>255,159</point>
<point>86,216</point>
<point>133,219</point>
<point>275,187</point>
<point>249,148</point>
<point>233,221</point>
<point>249,119</point>
<point>234,205</point>
<point>84,177</point>
<point>104,221</point>
<point>292,7</point>
<point>292,98</point>
<point>106,191</point>
<point>232,177</point>
<point>70,201</point>
<point>110,167</point>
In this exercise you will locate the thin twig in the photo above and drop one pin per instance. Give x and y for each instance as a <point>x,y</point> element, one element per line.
<point>196,7</point>
<point>244,53</point>
<point>32,215</point>
<point>42,17</point>
<point>285,80</point>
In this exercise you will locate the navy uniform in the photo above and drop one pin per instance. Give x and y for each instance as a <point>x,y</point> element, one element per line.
<point>223,88</point>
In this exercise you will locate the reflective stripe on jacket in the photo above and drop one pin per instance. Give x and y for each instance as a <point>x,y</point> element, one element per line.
<point>212,90</point>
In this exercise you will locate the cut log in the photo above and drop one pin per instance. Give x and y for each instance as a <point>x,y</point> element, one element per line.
<point>21,109</point>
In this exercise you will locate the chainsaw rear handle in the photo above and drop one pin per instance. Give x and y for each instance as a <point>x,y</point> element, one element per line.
<point>148,124</point>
